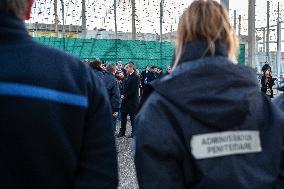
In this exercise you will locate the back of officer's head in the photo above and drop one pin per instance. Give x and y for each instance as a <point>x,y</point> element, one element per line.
<point>97,64</point>
<point>18,8</point>
<point>205,20</point>
<point>110,68</point>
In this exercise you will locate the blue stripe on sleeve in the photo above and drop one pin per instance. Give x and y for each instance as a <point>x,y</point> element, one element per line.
<point>29,91</point>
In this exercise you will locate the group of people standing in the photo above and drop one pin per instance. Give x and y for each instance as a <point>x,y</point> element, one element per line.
<point>125,87</point>
<point>150,75</point>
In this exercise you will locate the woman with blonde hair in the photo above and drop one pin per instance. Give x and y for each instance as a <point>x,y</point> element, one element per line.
<point>207,125</point>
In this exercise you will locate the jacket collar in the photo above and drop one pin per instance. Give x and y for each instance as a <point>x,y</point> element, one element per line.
<point>12,29</point>
<point>199,48</point>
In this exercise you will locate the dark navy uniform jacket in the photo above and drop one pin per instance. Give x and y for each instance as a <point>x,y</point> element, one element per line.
<point>208,126</point>
<point>279,101</point>
<point>112,87</point>
<point>55,118</point>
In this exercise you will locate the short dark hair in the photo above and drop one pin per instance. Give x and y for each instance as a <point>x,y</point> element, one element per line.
<point>130,64</point>
<point>14,7</point>
<point>265,67</point>
<point>110,68</point>
<point>96,64</point>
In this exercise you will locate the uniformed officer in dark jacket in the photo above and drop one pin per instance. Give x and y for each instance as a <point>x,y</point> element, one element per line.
<point>207,125</point>
<point>279,101</point>
<point>112,87</point>
<point>55,118</point>
<point>130,98</point>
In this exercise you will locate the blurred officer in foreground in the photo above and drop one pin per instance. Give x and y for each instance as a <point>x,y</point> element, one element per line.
<point>279,101</point>
<point>55,119</point>
<point>207,125</point>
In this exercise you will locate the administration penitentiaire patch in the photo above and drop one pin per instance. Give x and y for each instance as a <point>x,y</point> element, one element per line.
<point>227,143</point>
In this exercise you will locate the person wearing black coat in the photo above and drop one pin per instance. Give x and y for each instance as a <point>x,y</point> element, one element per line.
<point>97,67</point>
<point>160,73</point>
<point>112,87</point>
<point>130,98</point>
<point>55,117</point>
<point>267,82</point>
<point>145,76</point>
<point>152,74</point>
<point>207,125</point>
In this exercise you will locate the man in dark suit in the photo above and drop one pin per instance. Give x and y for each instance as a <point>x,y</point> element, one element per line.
<point>160,73</point>
<point>153,74</point>
<point>130,98</point>
<point>145,77</point>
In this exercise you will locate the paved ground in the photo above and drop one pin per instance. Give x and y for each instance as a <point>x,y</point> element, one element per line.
<point>127,175</point>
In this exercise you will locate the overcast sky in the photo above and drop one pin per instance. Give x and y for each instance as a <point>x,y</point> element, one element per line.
<point>100,13</point>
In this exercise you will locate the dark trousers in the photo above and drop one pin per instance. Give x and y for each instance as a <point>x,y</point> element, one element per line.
<point>124,120</point>
<point>114,123</point>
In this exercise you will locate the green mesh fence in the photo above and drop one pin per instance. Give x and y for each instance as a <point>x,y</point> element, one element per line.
<point>142,53</point>
<point>242,54</point>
